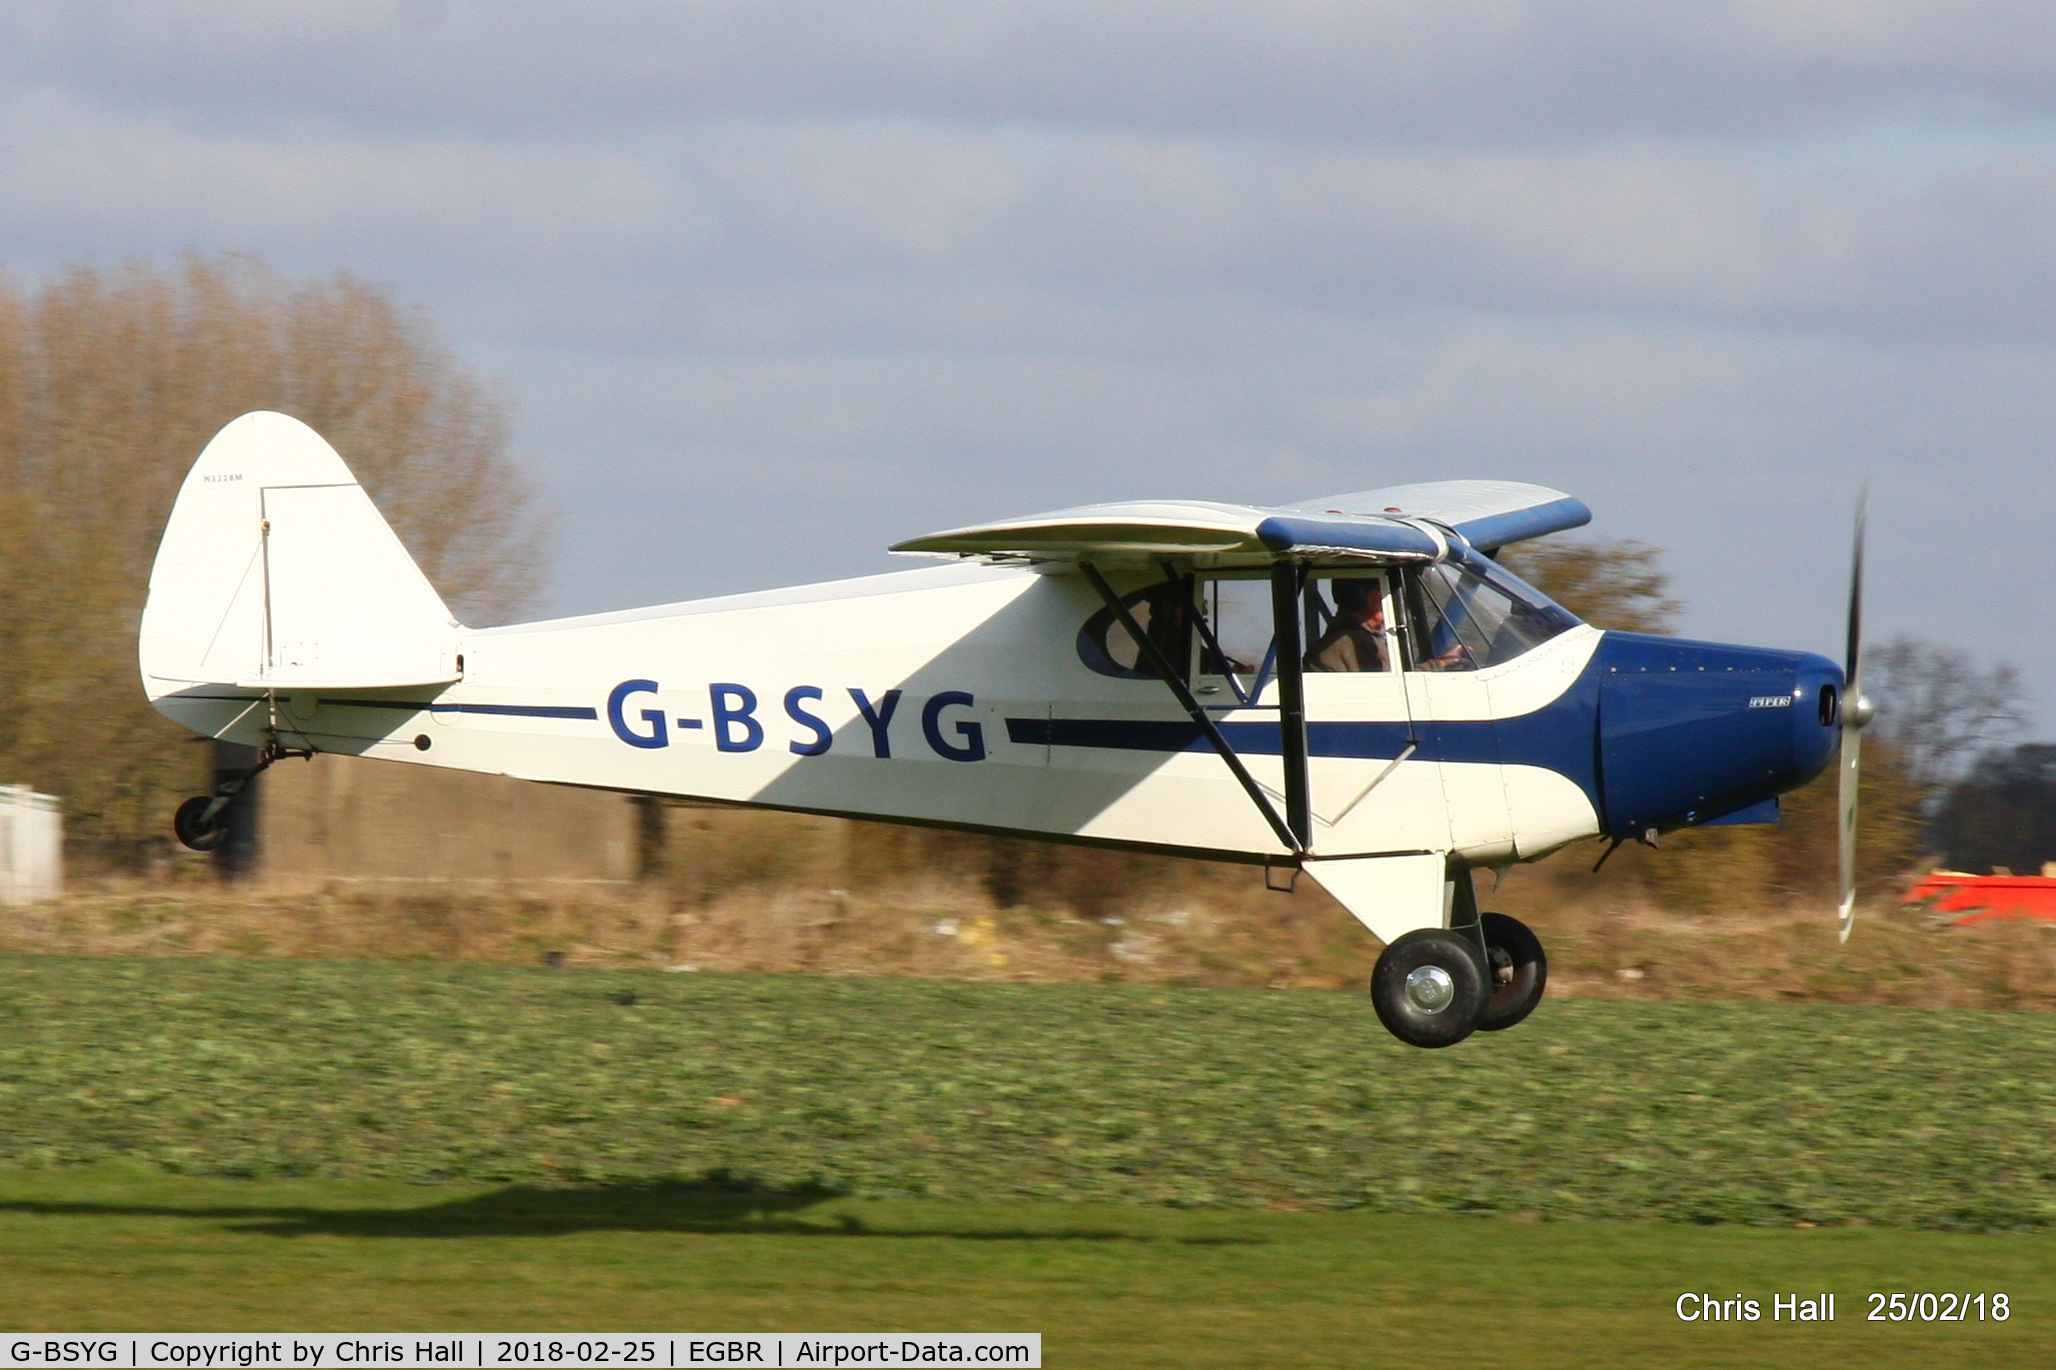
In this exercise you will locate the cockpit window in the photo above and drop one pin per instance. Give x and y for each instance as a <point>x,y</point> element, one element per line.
<point>1460,615</point>
<point>1237,614</point>
<point>1345,623</point>
<point>1467,614</point>
<point>1160,610</point>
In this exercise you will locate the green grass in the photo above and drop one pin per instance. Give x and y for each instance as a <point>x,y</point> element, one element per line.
<point>803,1086</point>
<point>115,1249</point>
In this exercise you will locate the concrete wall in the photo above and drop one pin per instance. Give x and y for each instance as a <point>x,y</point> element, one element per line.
<point>338,818</point>
<point>344,820</point>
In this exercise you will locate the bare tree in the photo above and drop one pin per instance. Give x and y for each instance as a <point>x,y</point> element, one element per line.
<point>1940,709</point>
<point>2001,813</point>
<point>110,383</point>
<point>1608,582</point>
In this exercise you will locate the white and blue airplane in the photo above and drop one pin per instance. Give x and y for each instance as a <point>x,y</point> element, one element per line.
<point>1350,689</point>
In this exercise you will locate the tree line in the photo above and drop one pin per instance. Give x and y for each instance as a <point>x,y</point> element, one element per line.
<point>112,381</point>
<point>110,384</point>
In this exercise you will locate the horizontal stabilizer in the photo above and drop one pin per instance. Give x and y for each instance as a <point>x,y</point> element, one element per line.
<point>338,680</point>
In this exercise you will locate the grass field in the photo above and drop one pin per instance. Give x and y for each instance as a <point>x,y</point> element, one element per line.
<point>242,1144</point>
<point>874,1088</point>
<point>111,1249</point>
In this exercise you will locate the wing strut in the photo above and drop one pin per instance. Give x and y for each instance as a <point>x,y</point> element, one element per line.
<point>1175,681</point>
<point>1287,583</point>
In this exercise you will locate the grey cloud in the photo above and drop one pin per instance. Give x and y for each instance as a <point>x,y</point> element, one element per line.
<point>65,162</point>
<point>1493,71</point>
<point>1640,227</point>
<point>968,225</point>
<point>779,283</point>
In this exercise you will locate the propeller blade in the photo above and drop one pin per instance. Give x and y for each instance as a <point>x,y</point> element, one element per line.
<point>1852,753</point>
<point>1855,713</point>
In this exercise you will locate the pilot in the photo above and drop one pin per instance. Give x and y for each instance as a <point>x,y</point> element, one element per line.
<point>1355,641</point>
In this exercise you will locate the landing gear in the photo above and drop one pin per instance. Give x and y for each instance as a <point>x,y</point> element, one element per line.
<point>201,823</point>
<point>1430,987</point>
<point>1434,987</point>
<point>1519,971</point>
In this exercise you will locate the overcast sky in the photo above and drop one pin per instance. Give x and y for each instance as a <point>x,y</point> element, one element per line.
<point>775,284</point>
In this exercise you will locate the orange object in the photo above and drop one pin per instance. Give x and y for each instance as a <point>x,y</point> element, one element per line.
<point>1987,898</point>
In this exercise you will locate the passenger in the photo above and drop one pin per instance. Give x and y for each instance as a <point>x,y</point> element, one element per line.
<point>1355,641</point>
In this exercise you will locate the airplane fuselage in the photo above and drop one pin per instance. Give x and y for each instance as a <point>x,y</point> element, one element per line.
<point>953,696</point>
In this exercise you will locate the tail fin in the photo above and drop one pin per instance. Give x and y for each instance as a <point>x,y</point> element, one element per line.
<point>277,572</point>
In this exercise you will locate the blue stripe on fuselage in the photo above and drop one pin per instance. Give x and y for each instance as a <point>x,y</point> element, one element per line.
<point>1563,736</point>
<point>1469,741</point>
<point>519,710</point>
<point>498,710</point>
<point>1560,736</point>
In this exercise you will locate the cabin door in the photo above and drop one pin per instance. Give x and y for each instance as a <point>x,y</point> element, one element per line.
<point>1374,783</point>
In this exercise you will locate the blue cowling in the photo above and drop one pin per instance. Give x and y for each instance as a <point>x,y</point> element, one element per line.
<point>1690,731</point>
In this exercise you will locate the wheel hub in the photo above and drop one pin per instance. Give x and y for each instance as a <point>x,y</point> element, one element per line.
<point>1430,989</point>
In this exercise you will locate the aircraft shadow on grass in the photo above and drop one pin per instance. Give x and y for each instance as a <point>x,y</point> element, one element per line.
<point>710,1207</point>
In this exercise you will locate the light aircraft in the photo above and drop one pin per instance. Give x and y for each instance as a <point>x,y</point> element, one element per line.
<point>1350,689</point>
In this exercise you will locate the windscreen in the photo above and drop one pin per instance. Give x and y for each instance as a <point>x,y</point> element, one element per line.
<point>1468,614</point>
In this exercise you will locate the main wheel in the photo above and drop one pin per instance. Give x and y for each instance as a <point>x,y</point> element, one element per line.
<point>1519,971</point>
<point>195,829</point>
<point>1429,988</point>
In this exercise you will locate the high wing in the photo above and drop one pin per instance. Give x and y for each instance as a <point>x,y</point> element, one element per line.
<point>1399,523</point>
<point>1485,513</point>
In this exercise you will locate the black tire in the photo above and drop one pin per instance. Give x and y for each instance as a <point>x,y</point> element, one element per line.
<point>1418,970</point>
<point>193,829</point>
<point>1519,970</point>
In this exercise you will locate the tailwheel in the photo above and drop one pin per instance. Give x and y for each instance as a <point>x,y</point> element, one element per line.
<point>1519,971</point>
<point>1429,988</point>
<point>200,822</point>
